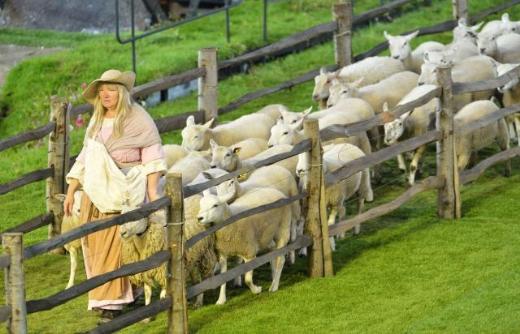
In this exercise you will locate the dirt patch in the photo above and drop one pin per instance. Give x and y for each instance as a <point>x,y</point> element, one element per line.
<point>13,54</point>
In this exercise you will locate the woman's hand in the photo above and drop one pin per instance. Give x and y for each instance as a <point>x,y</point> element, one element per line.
<point>152,186</point>
<point>68,204</point>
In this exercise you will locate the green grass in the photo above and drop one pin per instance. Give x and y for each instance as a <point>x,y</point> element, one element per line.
<point>406,272</point>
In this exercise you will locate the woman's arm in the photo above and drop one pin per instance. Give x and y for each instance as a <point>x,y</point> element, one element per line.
<point>152,185</point>
<point>69,199</point>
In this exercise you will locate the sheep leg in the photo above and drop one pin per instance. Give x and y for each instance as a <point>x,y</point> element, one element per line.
<point>503,142</point>
<point>400,162</point>
<point>73,255</point>
<point>415,163</point>
<point>237,283</point>
<point>248,279</point>
<point>300,227</point>
<point>331,221</point>
<point>147,300</point>
<point>361,206</point>
<point>462,161</point>
<point>517,128</point>
<point>277,273</point>
<point>223,268</point>
<point>197,277</point>
<point>292,254</point>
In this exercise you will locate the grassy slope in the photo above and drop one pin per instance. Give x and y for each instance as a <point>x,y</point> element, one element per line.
<point>445,272</point>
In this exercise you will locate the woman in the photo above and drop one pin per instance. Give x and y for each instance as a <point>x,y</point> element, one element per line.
<point>118,168</point>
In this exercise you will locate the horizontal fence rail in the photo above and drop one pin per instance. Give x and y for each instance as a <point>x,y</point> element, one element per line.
<point>487,120</point>
<point>477,86</point>
<point>301,147</point>
<point>375,158</point>
<point>35,176</point>
<point>64,296</point>
<point>134,316</point>
<point>244,214</point>
<point>27,136</point>
<point>95,226</point>
<point>218,280</point>
<point>475,172</point>
<point>32,224</point>
<point>432,182</point>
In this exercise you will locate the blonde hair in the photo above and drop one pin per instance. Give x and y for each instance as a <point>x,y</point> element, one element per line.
<point>123,107</point>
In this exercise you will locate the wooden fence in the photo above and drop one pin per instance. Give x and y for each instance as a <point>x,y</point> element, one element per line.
<point>447,182</point>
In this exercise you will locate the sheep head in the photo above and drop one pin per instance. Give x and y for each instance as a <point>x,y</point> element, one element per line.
<point>322,84</point>
<point>399,46</point>
<point>228,190</point>
<point>213,210</point>
<point>224,157</point>
<point>195,137</point>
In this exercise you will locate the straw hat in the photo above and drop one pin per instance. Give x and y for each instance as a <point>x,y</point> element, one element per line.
<point>126,79</point>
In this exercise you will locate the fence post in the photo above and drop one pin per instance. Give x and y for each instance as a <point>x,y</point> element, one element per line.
<point>448,201</point>
<point>320,257</point>
<point>15,283</point>
<point>207,99</point>
<point>58,158</point>
<point>342,14</point>
<point>176,282</point>
<point>460,9</point>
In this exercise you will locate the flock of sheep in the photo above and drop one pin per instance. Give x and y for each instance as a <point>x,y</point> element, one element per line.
<point>352,94</point>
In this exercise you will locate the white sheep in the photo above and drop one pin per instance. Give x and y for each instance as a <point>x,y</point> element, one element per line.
<point>510,96</point>
<point>195,137</point>
<point>372,69</point>
<point>173,153</point>
<point>471,69</point>
<point>271,176</point>
<point>335,195</point>
<point>247,237</point>
<point>273,111</point>
<point>190,166</point>
<point>500,27</point>
<point>412,124</point>
<point>401,49</point>
<point>468,142</point>
<point>390,90</point>
<point>503,48</point>
<point>228,159</point>
<point>69,223</point>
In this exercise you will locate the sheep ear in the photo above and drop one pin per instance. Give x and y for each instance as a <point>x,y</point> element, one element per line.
<point>358,82</point>
<point>477,26</point>
<point>60,197</point>
<point>236,149</point>
<point>505,17</point>
<point>387,35</point>
<point>412,35</point>
<point>385,107</point>
<point>462,22</point>
<point>213,144</point>
<point>283,114</point>
<point>190,121</point>
<point>207,175</point>
<point>206,192</point>
<point>225,198</point>
<point>298,124</point>
<point>307,111</point>
<point>209,123</point>
<point>323,70</point>
<point>279,121</point>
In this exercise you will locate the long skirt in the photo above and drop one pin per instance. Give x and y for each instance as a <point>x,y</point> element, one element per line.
<point>102,254</point>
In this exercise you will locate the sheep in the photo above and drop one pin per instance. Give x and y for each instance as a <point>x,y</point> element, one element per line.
<point>228,159</point>
<point>372,69</point>
<point>273,111</point>
<point>336,194</point>
<point>139,240</point>
<point>69,223</point>
<point>464,32</point>
<point>145,237</point>
<point>248,236</point>
<point>190,166</point>
<point>248,148</point>
<point>195,137</point>
<point>390,90</point>
<point>400,49</point>
<point>504,48</point>
<point>412,124</point>
<point>173,153</point>
<point>268,176</point>
<point>510,96</point>
<point>500,27</point>
<point>471,69</point>
<point>466,143</point>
